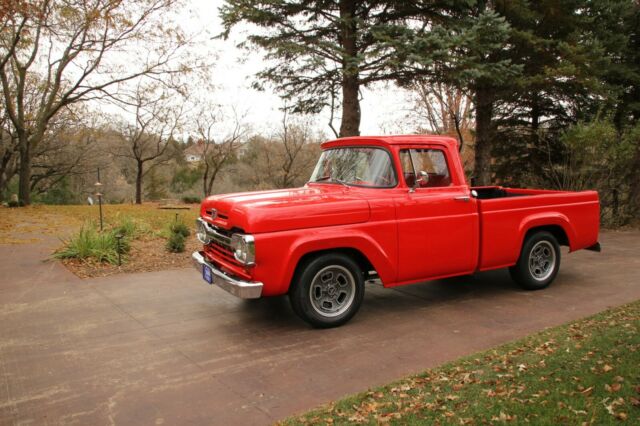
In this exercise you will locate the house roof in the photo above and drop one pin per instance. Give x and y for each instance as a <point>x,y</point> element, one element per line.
<point>195,149</point>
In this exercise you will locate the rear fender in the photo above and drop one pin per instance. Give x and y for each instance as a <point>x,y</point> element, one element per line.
<point>547,219</point>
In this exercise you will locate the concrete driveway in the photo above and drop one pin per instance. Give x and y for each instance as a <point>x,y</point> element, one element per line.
<point>163,347</point>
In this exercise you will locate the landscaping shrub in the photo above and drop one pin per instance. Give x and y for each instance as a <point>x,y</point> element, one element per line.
<point>191,200</point>
<point>89,243</point>
<point>180,228</point>
<point>175,243</point>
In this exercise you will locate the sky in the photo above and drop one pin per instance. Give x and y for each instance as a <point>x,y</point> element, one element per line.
<point>383,108</point>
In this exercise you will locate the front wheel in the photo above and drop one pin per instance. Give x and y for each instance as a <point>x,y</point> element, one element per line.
<point>539,261</point>
<point>327,290</point>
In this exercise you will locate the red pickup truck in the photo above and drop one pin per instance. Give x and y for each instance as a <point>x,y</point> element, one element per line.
<point>394,208</point>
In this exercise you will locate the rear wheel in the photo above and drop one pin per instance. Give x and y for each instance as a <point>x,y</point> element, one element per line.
<point>539,261</point>
<point>327,290</point>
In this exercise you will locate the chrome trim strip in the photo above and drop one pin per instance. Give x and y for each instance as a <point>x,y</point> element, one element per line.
<point>239,288</point>
<point>215,235</point>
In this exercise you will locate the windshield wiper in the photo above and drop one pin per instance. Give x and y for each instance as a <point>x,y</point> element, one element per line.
<point>330,179</point>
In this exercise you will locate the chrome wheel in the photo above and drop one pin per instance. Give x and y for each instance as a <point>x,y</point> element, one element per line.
<point>332,291</point>
<point>542,260</point>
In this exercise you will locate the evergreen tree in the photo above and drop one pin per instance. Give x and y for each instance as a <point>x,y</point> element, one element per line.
<point>466,51</point>
<point>323,52</point>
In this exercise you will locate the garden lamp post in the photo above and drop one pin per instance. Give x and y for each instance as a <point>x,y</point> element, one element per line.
<point>98,185</point>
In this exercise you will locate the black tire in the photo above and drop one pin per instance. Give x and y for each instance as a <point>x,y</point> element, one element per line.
<point>327,290</point>
<point>531,271</point>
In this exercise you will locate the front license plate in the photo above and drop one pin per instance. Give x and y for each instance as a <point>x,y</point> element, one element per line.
<point>207,274</point>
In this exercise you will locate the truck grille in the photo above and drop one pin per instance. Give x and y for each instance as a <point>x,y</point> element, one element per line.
<point>220,245</point>
<point>217,249</point>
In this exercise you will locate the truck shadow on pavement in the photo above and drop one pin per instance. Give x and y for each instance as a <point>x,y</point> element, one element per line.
<point>387,302</point>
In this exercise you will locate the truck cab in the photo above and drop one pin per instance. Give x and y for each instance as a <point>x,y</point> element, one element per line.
<point>397,208</point>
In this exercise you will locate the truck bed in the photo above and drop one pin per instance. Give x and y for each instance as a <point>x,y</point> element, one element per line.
<point>506,214</point>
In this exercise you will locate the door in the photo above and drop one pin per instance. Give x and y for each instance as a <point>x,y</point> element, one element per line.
<point>437,221</point>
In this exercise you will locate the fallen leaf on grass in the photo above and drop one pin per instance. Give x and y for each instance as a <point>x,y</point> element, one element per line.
<point>503,418</point>
<point>607,368</point>
<point>587,391</point>
<point>621,416</point>
<point>612,388</point>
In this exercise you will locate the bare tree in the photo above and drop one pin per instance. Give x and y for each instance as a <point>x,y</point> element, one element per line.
<point>217,147</point>
<point>294,138</point>
<point>65,120</point>
<point>283,160</point>
<point>74,47</point>
<point>445,110</point>
<point>68,150</point>
<point>146,141</point>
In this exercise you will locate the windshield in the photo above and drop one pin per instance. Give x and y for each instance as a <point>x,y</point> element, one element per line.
<point>358,166</point>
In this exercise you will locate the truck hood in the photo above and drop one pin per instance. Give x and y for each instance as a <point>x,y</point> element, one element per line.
<point>286,209</point>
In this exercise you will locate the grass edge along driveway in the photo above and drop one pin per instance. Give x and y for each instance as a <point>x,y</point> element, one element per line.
<point>584,372</point>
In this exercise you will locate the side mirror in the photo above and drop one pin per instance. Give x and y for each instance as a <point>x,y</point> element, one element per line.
<point>421,179</point>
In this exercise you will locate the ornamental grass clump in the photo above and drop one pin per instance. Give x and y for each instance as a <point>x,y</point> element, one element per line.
<point>131,228</point>
<point>88,243</point>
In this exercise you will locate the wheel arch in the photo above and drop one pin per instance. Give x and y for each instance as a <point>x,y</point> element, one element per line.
<point>355,253</point>
<point>557,225</point>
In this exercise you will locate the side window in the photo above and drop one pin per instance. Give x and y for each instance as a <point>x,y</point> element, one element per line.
<point>430,161</point>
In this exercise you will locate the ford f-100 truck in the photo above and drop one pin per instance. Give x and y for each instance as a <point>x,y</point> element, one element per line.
<point>395,208</point>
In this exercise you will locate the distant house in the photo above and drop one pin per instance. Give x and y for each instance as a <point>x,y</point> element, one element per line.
<point>194,153</point>
<point>241,149</point>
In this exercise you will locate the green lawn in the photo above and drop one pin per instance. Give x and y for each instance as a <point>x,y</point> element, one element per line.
<point>586,372</point>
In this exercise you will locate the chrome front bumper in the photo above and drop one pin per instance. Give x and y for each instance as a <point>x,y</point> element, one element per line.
<point>239,288</point>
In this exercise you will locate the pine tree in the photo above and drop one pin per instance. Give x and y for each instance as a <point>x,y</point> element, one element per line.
<point>322,53</point>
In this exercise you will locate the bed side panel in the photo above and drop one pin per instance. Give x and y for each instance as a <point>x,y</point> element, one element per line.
<point>505,221</point>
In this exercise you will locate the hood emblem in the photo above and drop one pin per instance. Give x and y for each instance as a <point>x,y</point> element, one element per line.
<point>213,213</point>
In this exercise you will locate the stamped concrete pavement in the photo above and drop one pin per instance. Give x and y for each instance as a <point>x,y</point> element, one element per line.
<point>163,347</point>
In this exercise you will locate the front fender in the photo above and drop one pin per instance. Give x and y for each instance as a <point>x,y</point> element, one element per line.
<point>276,268</point>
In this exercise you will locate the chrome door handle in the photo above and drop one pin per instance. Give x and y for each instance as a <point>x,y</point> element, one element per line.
<point>464,198</point>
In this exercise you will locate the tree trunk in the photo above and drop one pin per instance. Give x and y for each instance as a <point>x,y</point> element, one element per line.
<point>535,122</point>
<point>205,180</point>
<point>24,173</point>
<point>350,123</point>
<point>484,113</point>
<point>139,182</point>
<point>7,169</point>
<point>634,197</point>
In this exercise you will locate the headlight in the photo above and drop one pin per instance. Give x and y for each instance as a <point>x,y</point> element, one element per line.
<point>201,232</point>
<point>243,249</point>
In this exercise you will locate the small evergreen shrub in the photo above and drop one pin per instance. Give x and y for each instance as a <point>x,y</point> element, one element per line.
<point>175,243</point>
<point>180,228</point>
<point>191,200</point>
